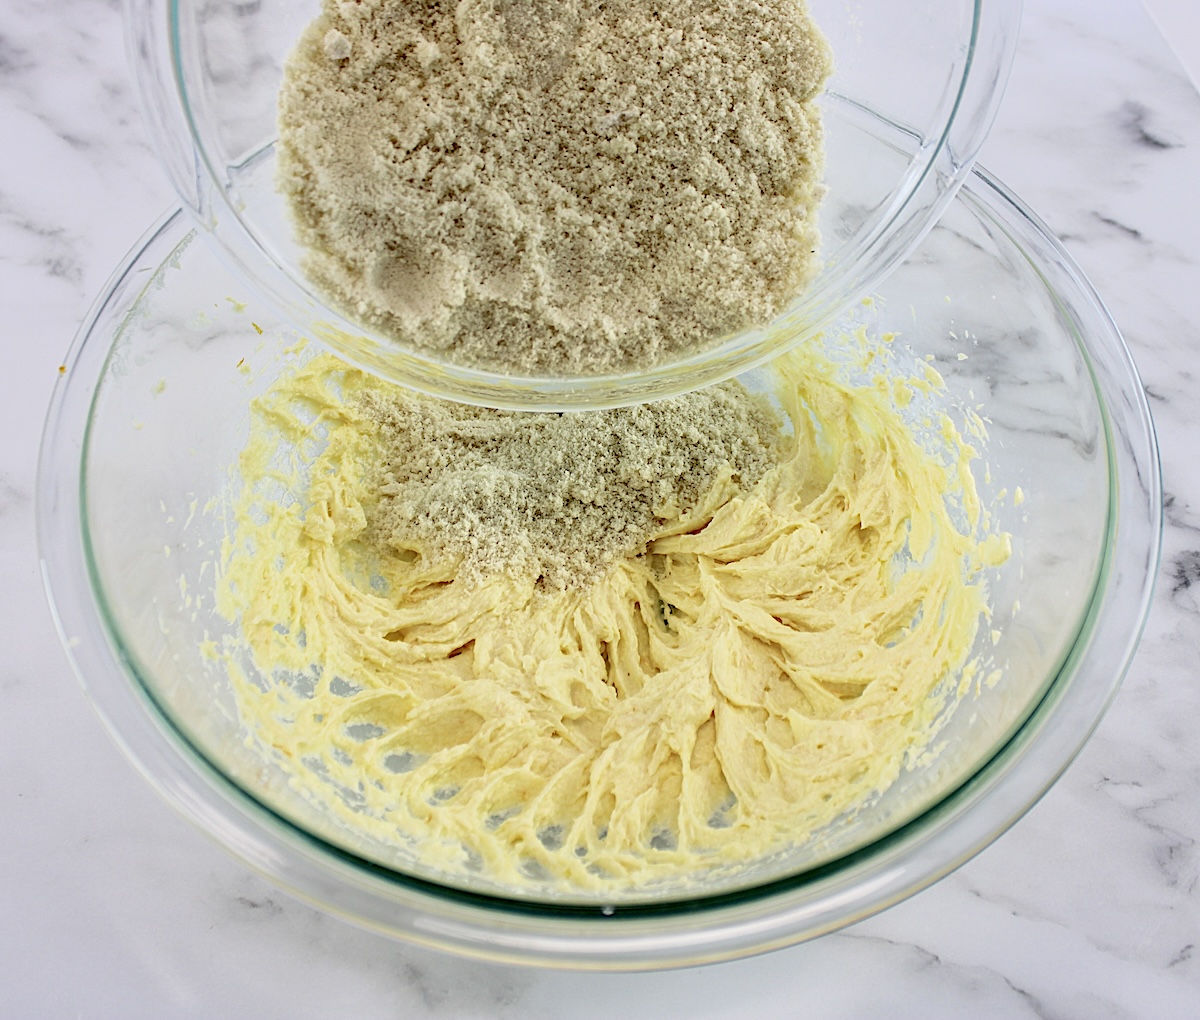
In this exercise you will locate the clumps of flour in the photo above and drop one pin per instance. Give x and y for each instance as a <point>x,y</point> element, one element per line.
<point>556,186</point>
<point>554,497</point>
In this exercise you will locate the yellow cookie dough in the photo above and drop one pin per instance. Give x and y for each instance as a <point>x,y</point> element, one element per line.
<point>772,659</point>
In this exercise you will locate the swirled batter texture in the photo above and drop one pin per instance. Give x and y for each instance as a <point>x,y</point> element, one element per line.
<point>773,655</point>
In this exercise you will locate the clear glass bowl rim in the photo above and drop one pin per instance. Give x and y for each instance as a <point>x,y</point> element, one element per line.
<point>156,47</point>
<point>789,910</point>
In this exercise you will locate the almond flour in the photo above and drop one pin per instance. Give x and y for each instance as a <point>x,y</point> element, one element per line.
<point>554,498</point>
<point>555,187</point>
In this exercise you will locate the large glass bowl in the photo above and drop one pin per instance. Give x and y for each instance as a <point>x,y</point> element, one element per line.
<point>152,410</point>
<point>914,92</point>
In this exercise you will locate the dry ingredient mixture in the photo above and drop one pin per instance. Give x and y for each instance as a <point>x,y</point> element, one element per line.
<point>556,186</point>
<point>760,654</point>
<point>557,497</point>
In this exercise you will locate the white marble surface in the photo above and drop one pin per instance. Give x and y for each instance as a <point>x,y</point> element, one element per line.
<point>1179,21</point>
<point>110,905</point>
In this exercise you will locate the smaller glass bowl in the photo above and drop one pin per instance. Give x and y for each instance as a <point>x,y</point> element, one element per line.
<point>913,94</point>
<point>149,418</point>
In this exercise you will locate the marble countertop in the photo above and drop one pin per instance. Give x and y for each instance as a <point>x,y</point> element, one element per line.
<point>110,905</point>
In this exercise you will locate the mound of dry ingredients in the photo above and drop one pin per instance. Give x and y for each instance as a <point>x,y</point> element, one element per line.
<point>556,186</point>
<point>768,659</point>
<point>558,497</point>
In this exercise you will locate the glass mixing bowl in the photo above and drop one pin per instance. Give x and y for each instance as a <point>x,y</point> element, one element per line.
<point>145,429</point>
<point>913,94</point>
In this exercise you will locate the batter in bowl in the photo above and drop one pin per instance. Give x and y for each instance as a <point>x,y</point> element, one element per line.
<point>771,652</point>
